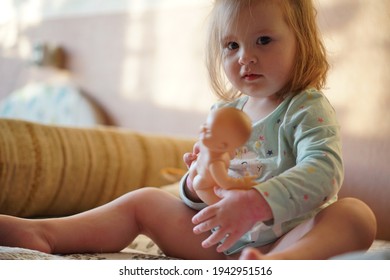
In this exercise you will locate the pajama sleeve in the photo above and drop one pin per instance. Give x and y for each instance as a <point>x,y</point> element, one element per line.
<point>311,131</point>
<point>185,199</point>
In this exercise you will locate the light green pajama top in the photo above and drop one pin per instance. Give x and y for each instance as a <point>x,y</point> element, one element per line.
<point>295,153</point>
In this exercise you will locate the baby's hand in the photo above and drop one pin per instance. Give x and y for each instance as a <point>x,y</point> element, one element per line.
<point>233,215</point>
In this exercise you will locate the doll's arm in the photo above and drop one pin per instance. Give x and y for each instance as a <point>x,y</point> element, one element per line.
<point>188,158</point>
<point>219,171</point>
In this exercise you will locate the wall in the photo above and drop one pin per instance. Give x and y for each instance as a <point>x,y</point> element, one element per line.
<point>357,36</point>
<point>143,60</point>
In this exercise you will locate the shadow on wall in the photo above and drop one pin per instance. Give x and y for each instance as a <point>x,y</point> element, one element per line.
<point>359,52</point>
<point>357,37</point>
<point>334,15</point>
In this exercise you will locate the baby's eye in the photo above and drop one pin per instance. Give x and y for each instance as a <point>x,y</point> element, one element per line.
<point>264,40</point>
<point>232,45</point>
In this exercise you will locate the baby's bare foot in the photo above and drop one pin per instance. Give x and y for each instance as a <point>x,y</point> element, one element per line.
<point>252,254</point>
<point>22,233</point>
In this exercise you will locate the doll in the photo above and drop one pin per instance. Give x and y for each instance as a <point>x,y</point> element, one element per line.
<point>225,130</point>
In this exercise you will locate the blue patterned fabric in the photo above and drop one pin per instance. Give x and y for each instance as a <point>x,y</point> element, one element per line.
<point>60,104</point>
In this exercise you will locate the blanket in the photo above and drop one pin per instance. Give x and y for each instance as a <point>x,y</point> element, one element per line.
<point>143,248</point>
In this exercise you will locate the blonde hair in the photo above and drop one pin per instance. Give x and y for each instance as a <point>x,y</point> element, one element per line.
<point>311,65</point>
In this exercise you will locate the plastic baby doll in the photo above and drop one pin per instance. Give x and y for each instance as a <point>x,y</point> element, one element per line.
<point>226,130</point>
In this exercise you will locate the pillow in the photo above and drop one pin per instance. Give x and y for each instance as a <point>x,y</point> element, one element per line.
<point>48,170</point>
<point>52,103</point>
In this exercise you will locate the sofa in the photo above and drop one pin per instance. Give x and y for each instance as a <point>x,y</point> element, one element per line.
<point>53,171</point>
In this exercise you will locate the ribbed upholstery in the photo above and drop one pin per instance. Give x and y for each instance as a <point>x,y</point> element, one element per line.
<point>55,171</point>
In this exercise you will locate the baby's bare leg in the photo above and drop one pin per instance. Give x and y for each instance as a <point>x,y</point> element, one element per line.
<point>167,221</point>
<point>112,227</point>
<point>17,232</point>
<point>98,230</point>
<point>345,226</point>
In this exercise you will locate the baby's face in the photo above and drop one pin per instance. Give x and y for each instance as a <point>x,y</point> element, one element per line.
<point>259,51</point>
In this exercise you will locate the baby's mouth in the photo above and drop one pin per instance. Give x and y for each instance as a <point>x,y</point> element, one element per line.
<point>251,77</point>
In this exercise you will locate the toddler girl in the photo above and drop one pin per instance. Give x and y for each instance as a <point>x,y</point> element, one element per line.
<point>264,57</point>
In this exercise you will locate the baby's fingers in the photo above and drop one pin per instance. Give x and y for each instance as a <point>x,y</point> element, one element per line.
<point>205,226</point>
<point>229,241</point>
<point>204,215</point>
<point>226,240</point>
<point>216,237</point>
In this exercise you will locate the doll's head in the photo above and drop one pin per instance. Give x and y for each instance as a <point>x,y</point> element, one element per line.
<point>226,129</point>
<point>310,66</point>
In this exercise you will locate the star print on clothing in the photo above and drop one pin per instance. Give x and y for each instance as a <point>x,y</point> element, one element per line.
<point>311,170</point>
<point>295,155</point>
<point>309,95</point>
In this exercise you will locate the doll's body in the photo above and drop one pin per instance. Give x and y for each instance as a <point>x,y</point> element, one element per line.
<point>226,130</point>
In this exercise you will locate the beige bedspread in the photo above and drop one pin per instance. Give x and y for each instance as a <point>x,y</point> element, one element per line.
<point>142,248</point>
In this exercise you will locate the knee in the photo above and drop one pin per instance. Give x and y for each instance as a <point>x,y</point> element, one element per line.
<point>144,194</point>
<point>148,190</point>
<point>140,201</point>
<point>361,218</point>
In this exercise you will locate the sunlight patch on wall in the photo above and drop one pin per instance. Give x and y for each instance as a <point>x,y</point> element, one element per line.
<point>165,57</point>
<point>13,20</point>
<point>46,9</point>
<point>26,12</point>
<point>7,11</point>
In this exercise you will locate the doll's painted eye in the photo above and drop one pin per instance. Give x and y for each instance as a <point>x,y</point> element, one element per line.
<point>264,40</point>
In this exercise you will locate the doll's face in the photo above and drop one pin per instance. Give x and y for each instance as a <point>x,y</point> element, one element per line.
<point>225,130</point>
<point>213,138</point>
<point>217,135</point>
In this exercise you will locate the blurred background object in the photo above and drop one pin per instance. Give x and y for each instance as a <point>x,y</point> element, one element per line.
<point>142,61</point>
